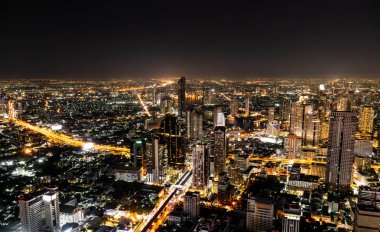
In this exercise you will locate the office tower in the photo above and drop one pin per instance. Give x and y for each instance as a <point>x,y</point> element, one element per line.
<point>313,132</point>
<point>153,161</point>
<point>246,105</point>
<point>291,218</point>
<point>191,100</point>
<point>194,124</point>
<point>340,151</point>
<point>138,153</point>
<point>182,97</point>
<point>40,211</point>
<point>366,117</point>
<point>293,147</point>
<point>285,109</point>
<point>166,105</point>
<point>217,110</point>
<point>154,94</point>
<point>343,104</point>
<point>260,212</point>
<point>367,211</point>
<point>200,167</point>
<point>173,139</point>
<point>300,117</point>
<point>191,206</point>
<point>234,107</point>
<point>11,110</point>
<point>219,146</point>
<point>271,114</point>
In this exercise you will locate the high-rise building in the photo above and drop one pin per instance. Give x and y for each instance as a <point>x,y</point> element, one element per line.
<point>260,212</point>
<point>313,131</point>
<point>300,118</point>
<point>234,107</point>
<point>194,124</point>
<point>153,161</point>
<point>246,105</point>
<point>138,153</point>
<point>40,211</point>
<point>340,153</point>
<point>367,211</point>
<point>173,139</point>
<point>182,97</point>
<point>293,146</point>
<point>219,146</point>
<point>217,110</point>
<point>343,104</point>
<point>366,117</point>
<point>154,94</point>
<point>11,110</point>
<point>270,114</point>
<point>200,167</point>
<point>291,218</point>
<point>191,205</point>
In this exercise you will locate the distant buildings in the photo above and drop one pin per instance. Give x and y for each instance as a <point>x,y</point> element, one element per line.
<point>40,211</point>
<point>340,154</point>
<point>246,105</point>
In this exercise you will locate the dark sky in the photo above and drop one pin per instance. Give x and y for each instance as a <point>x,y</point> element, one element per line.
<point>117,39</point>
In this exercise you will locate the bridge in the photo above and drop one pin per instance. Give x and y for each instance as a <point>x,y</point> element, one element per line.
<point>69,140</point>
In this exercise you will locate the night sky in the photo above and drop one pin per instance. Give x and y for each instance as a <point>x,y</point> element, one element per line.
<point>121,40</point>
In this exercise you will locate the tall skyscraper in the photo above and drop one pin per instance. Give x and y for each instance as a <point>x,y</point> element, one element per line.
<point>234,107</point>
<point>194,124</point>
<point>200,167</point>
<point>271,114</point>
<point>366,117</point>
<point>191,206</point>
<point>217,110</point>
<point>291,218</point>
<point>300,118</point>
<point>219,146</point>
<point>313,131</point>
<point>153,161</point>
<point>340,153</point>
<point>182,97</point>
<point>138,153</point>
<point>40,211</point>
<point>11,110</point>
<point>246,105</point>
<point>173,139</point>
<point>260,212</point>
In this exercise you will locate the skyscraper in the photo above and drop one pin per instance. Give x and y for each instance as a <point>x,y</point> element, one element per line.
<point>40,211</point>
<point>216,111</point>
<point>182,97</point>
<point>313,131</point>
<point>234,107</point>
<point>246,105</point>
<point>194,124</point>
<point>153,161</point>
<point>200,167</point>
<point>138,153</point>
<point>191,206</point>
<point>293,147</point>
<point>173,139</point>
<point>366,117</point>
<point>340,153</point>
<point>300,118</point>
<point>219,146</point>
<point>270,114</point>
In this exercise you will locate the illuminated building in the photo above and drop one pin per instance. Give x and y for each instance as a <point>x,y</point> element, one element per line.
<point>340,152</point>
<point>219,146</point>
<point>300,118</point>
<point>194,124</point>
<point>366,117</point>
<point>367,211</point>
<point>271,114</point>
<point>291,218</point>
<point>313,132</point>
<point>293,147</point>
<point>71,214</point>
<point>40,211</point>
<point>216,111</point>
<point>260,212</point>
<point>246,105</point>
<point>325,128</point>
<point>153,161</point>
<point>138,153</point>
<point>173,140</point>
<point>200,167</point>
<point>343,104</point>
<point>11,110</point>
<point>191,206</point>
<point>182,97</point>
<point>234,107</point>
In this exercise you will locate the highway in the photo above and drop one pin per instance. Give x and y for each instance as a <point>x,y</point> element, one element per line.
<point>161,209</point>
<point>69,140</point>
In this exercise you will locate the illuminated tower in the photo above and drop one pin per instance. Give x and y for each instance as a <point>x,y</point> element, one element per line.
<point>216,111</point>
<point>200,167</point>
<point>313,132</point>
<point>173,139</point>
<point>153,161</point>
<point>191,204</point>
<point>182,97</point>
<point>234,107</point>
<point>195,124</point>
<point>40,211</point>
<point>293,146</point>
<point>366,117</point>
<point>11,110</point>
<point>246,105</point>
<point>138,153</point>
<point>340,152</point>
<point>343,104</point>
<point>300,118</point>
<point>271,114</point>
<point>219,146</point>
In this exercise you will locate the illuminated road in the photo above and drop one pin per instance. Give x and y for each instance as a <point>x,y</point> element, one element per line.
<point>162,211</point>
<point>68,140</point>
<point>143,105</point>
